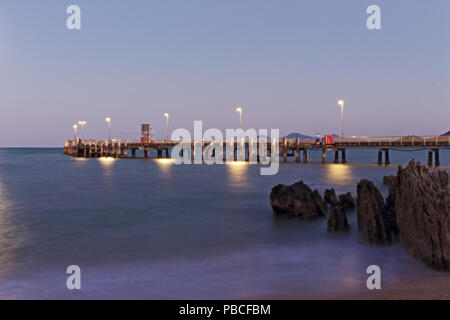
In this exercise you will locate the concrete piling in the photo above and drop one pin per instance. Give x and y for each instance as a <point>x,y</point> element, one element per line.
<point>386,157</point>
<point>344,157</point>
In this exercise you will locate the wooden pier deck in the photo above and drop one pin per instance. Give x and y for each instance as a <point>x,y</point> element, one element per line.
<point>287,147</point>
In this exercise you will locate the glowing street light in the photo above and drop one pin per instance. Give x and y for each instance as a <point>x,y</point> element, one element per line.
<point>108,121</point>
<point>75,131</point>
<point>166,115</point>
<point>341,103</point>
<point>82,124</point>
<point>239,109</point>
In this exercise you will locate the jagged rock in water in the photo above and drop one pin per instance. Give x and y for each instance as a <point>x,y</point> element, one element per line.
<point>298,200</point>
<point>318,199</point>
<point>420,199</point>
<point>347,201</point>
<point>390,208</point>
<point>372,214</point>
<point>337,221</point>
<point>330,196</point>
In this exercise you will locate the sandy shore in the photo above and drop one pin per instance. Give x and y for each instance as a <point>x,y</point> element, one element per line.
<point>434,288</point>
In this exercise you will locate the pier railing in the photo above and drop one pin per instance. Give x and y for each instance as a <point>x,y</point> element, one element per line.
<point>397,141</point>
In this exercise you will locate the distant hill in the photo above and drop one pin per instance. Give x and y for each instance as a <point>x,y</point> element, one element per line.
<point>294,135</point>
<point>447,134</point>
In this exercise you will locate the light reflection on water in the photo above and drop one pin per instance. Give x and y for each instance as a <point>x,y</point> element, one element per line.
<point>165,165</point>
<point>237,173</point>
<point>339,174</point>
<point>107,164</point>
<point>106,161</point>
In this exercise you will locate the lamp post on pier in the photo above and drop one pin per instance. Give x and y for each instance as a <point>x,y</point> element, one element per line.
<point>75,131</point>
<point>82,124</point>
<point>239,109</point>
<point>341,103</point>
<point>166,115</point>
<point>108,121</point>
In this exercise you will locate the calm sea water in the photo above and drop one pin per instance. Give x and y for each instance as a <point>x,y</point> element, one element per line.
<point>151,229</point>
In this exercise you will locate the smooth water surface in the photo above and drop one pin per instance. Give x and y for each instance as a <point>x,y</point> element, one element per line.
<point>152,229</point>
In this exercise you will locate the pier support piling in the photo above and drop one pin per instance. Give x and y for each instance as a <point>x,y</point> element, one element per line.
<point>284,150</point>
<point>344,157</point>
<point>437,161</point>
<point>386,157</point>
<point>336,156</point>
<point>380,157</point>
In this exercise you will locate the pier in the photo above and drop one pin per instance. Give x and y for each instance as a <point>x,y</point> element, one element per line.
<point>288,148</point>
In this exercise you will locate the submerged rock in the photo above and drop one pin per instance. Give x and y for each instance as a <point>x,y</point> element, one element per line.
<point>330,196</point>
<point>420,200</point>
<point>337,221</point>
<point>372,214</point>
<point>298,200</point>
<point>347,201</point>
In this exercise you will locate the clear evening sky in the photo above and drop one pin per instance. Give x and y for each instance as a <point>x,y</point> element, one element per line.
<point>285,62</point>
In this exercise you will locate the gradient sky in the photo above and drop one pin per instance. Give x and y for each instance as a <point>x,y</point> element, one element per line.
<point>286,62</point>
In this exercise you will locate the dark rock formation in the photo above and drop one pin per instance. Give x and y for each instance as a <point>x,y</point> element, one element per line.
<point>372,214</point>
<point>337,221</point>
<point>330,196</point>
<point>298,200</point>
<point>318,199</point>
<point>347,201</point>
<point>420,200</point>
<point>391,219</point>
